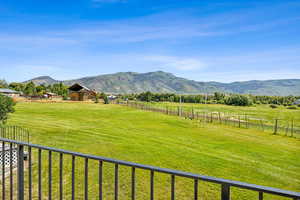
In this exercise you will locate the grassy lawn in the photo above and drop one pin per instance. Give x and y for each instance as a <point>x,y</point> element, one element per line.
<point>166,141</point>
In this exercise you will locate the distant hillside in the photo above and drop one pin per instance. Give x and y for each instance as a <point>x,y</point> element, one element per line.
<point>43,80</point>
<point>131,82</point>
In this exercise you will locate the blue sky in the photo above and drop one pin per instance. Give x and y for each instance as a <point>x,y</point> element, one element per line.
<point>203,40</point>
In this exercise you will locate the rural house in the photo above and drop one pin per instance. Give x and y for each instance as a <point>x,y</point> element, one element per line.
<point>9,92</point>
<point>78,92</point>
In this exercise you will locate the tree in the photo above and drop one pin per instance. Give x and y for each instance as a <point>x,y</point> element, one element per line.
<point>146,96</point>
<point>3,84</point>
<point>238,100</point>
<point>219,96</point>
<point>17,86</point>
<point>40,89</point>
<point>6,106</point>
<point>97,98</point>
<point>30,89</point>
<point>106,100</point>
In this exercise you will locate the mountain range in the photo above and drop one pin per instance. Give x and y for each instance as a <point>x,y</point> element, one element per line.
<point>163,82</point>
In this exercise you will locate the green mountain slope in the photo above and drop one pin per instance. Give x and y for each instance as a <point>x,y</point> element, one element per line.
<point>131,82</point>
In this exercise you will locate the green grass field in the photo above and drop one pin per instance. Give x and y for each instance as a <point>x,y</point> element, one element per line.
<point>166,141</point>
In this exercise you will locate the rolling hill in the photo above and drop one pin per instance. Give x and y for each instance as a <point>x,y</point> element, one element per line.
<point>162,82</point>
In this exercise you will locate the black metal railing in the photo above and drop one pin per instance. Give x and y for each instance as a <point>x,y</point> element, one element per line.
<point>14,133</point>
<point>26,182</point>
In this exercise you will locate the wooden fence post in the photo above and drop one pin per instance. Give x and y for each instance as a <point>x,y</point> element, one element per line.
<point>246,119</point>
<point>193,114</point>
<point>287,129</point>
<point>275,126</point>
<point>292,128</point>
<point>262,125</point>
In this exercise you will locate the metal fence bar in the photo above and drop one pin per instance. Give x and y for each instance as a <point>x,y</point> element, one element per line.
<point>172,187</point>
<point>50,175</point>
<point>11,176</point>
<point>225,192</point>
<point>3,169</point>
<point>133,183</point>
<point>40,174</point>
<point>116,181</point>
<point>260,196</point>
<point>20,172</point>
<point>152,185</point>
<point>86,179</point>
<point>196,189</point>
<point>73,177</point>
<point>61,176</point>
<point>100,179</point>
<point>29,174</point>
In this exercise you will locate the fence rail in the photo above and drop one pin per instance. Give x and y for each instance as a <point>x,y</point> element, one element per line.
<point>50,175</point>
<point>14,133</point>
<point>278,126</point>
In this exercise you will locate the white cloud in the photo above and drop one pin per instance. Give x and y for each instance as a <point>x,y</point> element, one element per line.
<point>182,26</point>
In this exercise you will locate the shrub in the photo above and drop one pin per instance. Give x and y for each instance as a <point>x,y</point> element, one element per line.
<point>292,107</point>
<point>6,106</point>
<point>65,97</point>
<point>106,100</point>
<point>298,105</point>
<point>214,102</point>
<point>273,106</point>
<point>221,102</point>
<point>97,98</point>
<point>238,100</point>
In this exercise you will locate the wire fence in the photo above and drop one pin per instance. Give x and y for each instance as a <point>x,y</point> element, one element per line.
<point>275,126</point>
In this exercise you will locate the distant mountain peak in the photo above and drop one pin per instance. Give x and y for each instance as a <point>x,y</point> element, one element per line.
<point>164,82</point>
<point>44,77</point>
<point>43,80</point>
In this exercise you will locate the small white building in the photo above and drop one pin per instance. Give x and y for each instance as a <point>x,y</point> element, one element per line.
<point>9,92</point>
<point>112,97</point>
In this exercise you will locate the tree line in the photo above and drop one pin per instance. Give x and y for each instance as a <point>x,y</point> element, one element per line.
<point>31,89</point>
<point>216,98</point>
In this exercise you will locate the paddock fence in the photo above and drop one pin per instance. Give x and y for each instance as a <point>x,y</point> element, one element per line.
<point>275,126</point>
